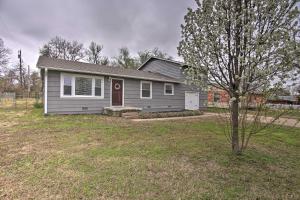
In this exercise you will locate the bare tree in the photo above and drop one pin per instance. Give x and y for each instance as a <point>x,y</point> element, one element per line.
<point>93,54</point>
<point>4,56</point>
<point>36,83</point>
<point>104,61</point>
<point>58,47</point>
<point>143,56</point>
<point>124,59</point>
<point>75,51</point>
<point>241,46</point>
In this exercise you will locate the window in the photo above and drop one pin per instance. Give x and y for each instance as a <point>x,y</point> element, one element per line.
<point>146,90</point>
<point>73,85</point>
<point>83,86</point>
<point>169,89</point>
<point>67,85</point>
<point>216,97</point>
<point>98,88</point>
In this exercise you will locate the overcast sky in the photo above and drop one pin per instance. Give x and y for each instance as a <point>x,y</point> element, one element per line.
<point>137,24</point>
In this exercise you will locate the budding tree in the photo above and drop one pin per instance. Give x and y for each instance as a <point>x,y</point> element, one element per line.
<point>241,46</point>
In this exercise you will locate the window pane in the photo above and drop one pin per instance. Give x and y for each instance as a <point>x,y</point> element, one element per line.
<point>98,87</point>
<point>216,97</point>
<point>146,86</point>
<point>146,89</point>
<point>98,83</point>
<point>145,93</point>
<point>67,85</point>
<point>83,86</point>
<point>169,89</point>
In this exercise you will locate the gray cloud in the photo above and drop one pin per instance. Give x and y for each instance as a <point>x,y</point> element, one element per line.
<point>137,24</point>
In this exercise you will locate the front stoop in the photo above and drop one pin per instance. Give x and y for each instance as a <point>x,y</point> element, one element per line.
<point>126,112</point>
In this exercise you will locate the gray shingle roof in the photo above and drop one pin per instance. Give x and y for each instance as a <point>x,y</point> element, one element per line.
<point>74,66</point>
<point>162,59</point>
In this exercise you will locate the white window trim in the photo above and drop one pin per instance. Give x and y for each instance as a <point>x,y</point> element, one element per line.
<point>73,86</point>
<point>172,85</point>
<point>141,93</point>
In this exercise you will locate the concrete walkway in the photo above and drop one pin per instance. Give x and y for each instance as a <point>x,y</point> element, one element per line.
<point>174,118</point>
<point>281,121</point>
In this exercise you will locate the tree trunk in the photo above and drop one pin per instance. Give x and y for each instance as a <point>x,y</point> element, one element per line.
<point>235,127</point>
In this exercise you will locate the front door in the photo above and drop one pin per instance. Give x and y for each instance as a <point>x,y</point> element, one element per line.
<point>117,92</point>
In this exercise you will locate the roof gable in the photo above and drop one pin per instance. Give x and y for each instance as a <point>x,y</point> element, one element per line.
<point>181,64</point>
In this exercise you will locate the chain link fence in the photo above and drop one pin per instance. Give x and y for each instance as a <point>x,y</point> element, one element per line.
<point>10,100</point>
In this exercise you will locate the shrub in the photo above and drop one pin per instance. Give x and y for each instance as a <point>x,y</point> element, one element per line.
<point>38,105</point>
<point>149,115</point>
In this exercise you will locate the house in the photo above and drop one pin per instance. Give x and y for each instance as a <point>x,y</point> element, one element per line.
<point>290,100</point>
<point>220,98</point>
<point>75,87</point>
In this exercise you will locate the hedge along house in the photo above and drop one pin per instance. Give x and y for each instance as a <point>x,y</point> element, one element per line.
<point>72,87</point>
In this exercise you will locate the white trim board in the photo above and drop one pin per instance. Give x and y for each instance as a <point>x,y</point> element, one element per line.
<point>46,91</point>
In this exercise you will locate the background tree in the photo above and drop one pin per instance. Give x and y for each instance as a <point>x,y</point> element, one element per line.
<point>143,56</point>
<point>124,59</point>
<point>104,61</point>
<point>241,46</point>
<point>58,47</point>
<point>35,82</point>
<point>4,56</point>
<point>93,54</point>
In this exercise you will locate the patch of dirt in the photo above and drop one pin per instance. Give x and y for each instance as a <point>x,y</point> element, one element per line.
<point>7,124</point>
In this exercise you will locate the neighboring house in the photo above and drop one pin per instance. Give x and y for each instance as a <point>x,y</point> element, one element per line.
<point>75,87</point>
<point>220,98</point>
<point>291,100</point>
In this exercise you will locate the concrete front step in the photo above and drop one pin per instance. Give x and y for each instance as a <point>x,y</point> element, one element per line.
<point>119,111</point>
<point>130,115</point>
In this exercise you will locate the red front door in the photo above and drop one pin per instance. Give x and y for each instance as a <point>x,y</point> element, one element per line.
<point>117,92</point>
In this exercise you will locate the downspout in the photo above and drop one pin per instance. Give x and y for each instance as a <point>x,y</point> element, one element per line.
<point>46,92</point>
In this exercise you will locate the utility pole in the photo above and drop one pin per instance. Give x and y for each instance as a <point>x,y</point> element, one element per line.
<point>20,67</point>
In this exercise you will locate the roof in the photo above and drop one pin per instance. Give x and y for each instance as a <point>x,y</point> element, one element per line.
<point>81,67</point>
<point>166,60</point>
<point>287,98</point>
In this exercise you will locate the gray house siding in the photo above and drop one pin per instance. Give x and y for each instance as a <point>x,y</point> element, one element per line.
<point>73,105</point>
<point>166,68</point>
<point>174,70</point>
<point>159,101</point>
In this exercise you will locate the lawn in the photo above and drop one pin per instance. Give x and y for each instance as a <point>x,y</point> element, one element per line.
<point>99,157</point>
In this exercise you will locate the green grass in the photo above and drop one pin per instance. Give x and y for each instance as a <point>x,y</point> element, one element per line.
<point>99,157</point>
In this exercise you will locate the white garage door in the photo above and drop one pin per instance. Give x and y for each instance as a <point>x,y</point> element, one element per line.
<point>192,100</point>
